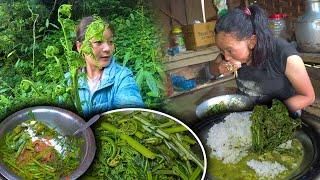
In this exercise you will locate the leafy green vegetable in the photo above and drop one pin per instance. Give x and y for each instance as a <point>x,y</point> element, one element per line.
<point>94,31</point>
<point>122,153</point>
<point>34,151</point>
<point>133,143</point>
<point>271,127</point>
<point>217,108</point>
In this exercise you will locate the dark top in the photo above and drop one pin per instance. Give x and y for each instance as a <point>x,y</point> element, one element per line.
<point>269,81</point>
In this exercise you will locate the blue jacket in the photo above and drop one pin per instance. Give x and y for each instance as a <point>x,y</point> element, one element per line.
<point>117,89</point>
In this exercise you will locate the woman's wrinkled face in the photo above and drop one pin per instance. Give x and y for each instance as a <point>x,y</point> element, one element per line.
<point>102,50</point>
<point>234,50</point>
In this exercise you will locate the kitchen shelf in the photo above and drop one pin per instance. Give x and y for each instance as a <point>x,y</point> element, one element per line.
<point>205,85</point>
<point>191,58</point>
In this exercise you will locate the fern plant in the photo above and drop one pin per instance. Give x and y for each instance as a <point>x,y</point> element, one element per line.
<point>138,46</point>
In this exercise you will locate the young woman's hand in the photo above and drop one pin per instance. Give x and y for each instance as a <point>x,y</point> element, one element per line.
<point>220,66</point>
<point>227,67</point>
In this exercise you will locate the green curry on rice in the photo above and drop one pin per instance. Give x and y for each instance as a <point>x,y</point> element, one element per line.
<point>291,158</point>
<point>271,130</point>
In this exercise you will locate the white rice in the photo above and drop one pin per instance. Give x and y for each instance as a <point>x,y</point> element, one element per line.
<point>286,145</point>
<point>230,140</point>
<point>266,168</point>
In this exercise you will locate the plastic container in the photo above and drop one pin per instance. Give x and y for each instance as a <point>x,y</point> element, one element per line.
<point>277,25</point>
<point>180,83</point>
<point>177,39</point>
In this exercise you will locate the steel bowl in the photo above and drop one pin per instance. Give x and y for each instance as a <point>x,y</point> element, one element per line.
<point>233,102</point>
<point>65,122</point>
<point>196,149</point>
<point>307,135</point>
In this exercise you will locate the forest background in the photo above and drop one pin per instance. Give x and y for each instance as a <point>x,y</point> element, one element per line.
<point>36,50</point>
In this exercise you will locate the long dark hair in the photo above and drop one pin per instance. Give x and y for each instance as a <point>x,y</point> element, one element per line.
<point>244,24</point>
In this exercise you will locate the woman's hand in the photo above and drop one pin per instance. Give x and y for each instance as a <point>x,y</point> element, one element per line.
<point>227,67</point>
<point>220,66</point>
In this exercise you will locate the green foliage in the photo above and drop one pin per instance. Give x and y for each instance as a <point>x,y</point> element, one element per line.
<point>17,18</point>
<point>271,127</point>
<point>38,79</point>
<point>139,43</point>
<point>109,9</point>
<point>35,53</point>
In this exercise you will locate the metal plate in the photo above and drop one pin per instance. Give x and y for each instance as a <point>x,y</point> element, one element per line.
<point>234,102</point>
<point>310,166</point>
<point>65,122</point>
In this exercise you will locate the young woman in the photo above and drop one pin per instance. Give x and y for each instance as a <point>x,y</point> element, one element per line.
<point>267,67</point>
<point>105,84</point>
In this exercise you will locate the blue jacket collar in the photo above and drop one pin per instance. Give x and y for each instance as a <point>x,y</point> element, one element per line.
<point>107,78</point>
